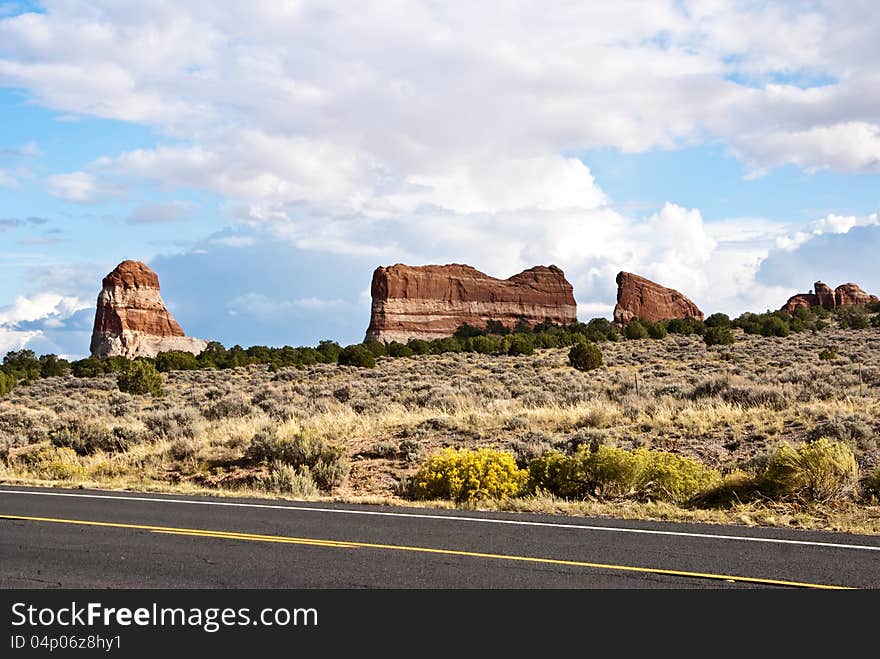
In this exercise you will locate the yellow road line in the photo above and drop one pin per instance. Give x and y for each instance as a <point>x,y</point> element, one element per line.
<point>344,544</point>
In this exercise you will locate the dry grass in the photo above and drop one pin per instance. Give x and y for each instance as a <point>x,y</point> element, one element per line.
<point>727,406</point>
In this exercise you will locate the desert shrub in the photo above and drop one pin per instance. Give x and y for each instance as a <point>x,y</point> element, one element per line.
<point>828,354</point>
<point>287,479</point>
<point>327,463</point>
<point>357,355</point>
<point>774,326</point>
<point>717,335</point>
<point>610,472</point>
<point>852,317</point>
<point>7,383</point>
<point>175,360</point>
<point>412,450</point>
<point>756,395</point>
<point>819,472</point>
<point>141,378</point>
<point>635,330</point>
<point>872,485</point>
<point>596,330</point>
<point>585,356</point>
<point>328,351</point>
<point>685,326</point>
<point>52,366</point>
<point>655,330</point>
<point>718,320</point>
<point>384,449</point>
<point>469,475</point>
<point>449,344</point>
<point>52,463</point>
<point>520,344</point>
<point>487,344</point>
<point>184,448</point>
<point>419,346</point>
<point>228,407</point>
<point>851,429</point>
<point>88,437</point>
<point>172,424</point>
<point>396,349</point>
<point>376,348</point>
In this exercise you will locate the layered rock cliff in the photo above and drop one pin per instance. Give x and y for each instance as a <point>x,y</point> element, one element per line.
<point>638,297</point>
<point>823,296</point>
<point>131,319</point>
<point>433,301</point>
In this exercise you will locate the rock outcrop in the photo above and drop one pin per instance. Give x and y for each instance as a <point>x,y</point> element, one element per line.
<point>131,319</point>
<point>638,297</point>
<point>433,301</point>
<point>823,296</point>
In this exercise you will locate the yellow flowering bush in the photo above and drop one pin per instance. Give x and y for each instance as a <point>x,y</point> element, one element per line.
<point>822,471</point>
<point>469,475</point>
<point>52,463</point>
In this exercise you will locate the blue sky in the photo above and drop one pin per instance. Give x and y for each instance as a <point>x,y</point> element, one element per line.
<point>264,161</point>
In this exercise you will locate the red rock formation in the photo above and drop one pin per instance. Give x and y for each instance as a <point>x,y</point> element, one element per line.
<point>433,301</point>
<point>823,296</point>
<point>131,319</point>
<point>638,297</point>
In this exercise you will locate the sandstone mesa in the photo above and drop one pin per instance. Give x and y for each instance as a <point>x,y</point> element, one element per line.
<point>822,296</point>
<point>131,319</point>
<point>638,297</point>
<point>433,301</point>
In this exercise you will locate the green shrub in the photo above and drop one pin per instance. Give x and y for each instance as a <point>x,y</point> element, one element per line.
<point>828,354</point>
<point>519,344</point>
<point>655,330</point>
<point>141,378</point>
<point>88,437</point>
<point>376,348</point>
<point>448,344</point>
<point>718,335</point>
<point>357,355</point>
<point>328,351</point>
<point>419,346</point>
<point>585,356</point>
<point>718,320</point>
<point>51,366</point>
<point>175,360</point>
<point>872,486</point>
<point>819,472</point>
<point>852,317</point>
<point>774,326</point>
<point>854,430</point>
<point>396,350</point>
<point>635,330</point>
<point>172,424</point>
<point>613,473</point>
<point>685,326</point>
<point>7,383</point>
<point>285,479</point>
<point>487,345</point>
<point>327,463</point>
<point>469,475</point>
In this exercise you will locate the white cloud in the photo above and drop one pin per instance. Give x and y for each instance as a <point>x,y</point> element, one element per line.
<point>40,306</point>
<point>153,213</point>
<point>80,187</point>
<point>437,132</point>
<point>834,224</point>
<point>16,340</point>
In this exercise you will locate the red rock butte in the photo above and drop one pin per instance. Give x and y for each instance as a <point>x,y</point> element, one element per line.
<point>433,301</point>
<point>131,319</point>
<point>822,296</point>
<point>638,297</point>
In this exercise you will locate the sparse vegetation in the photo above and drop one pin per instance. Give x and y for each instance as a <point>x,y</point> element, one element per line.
<point>727,411</point>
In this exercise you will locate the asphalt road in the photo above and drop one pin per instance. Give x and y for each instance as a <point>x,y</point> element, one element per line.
<point>99,539</point>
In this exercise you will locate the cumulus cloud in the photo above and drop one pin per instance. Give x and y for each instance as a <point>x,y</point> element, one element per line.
<point>438,132</point>
<point>26,322</point>
<point>80,187</point>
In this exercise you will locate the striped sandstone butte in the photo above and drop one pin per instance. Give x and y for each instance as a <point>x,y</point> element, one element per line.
<point>433,301</point>
<point>131,319</point>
